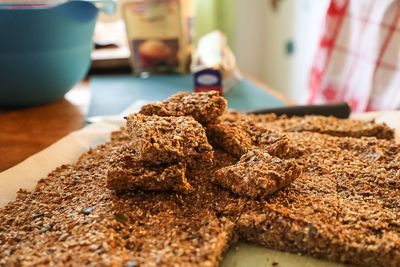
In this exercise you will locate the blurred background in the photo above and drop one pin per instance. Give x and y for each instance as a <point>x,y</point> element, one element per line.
<point>307,51</point>
<point>260,54</point>
<point>273,40</point>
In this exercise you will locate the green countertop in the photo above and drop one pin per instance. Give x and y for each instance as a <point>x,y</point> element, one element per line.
<point>112,94</point>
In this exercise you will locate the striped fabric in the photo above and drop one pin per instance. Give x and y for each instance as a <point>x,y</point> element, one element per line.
<point>358,59</point>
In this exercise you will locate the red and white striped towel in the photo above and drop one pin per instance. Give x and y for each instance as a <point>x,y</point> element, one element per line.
<point>358,59</point>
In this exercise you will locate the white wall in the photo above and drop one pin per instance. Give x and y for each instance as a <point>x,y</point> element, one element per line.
<point>308,23</point>
<point>261,38</point>
<point>250,41</point>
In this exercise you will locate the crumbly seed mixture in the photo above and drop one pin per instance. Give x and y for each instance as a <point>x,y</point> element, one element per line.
<point>332,126</point>
<point>276,144</point>
<point>230,136</point>
<point>72,219</point>
<point>344,207</point>
<point>239,136</point>
<point>168,139</point>
<point>258,174</point>
<point>124,173</point>
<point>203,107</point>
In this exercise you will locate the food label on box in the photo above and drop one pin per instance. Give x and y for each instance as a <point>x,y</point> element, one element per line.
<point>159,34</point>
<point>207,80</point>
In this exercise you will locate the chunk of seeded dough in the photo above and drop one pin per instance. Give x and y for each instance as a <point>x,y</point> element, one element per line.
<point>230,137</point>
<point>258,174</point>
<point>168,139</point>
<point>127,174</point>
<point>276,144</point>
<point>332,126</point>
<point>239,136</point>
<point>203,107</point>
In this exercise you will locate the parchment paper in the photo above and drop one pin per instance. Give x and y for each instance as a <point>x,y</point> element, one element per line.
<point>67,150</point>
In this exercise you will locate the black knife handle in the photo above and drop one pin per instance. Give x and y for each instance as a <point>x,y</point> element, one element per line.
<point>339,110</point>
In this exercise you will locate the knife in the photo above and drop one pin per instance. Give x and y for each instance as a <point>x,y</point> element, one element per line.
<point>339,110</point>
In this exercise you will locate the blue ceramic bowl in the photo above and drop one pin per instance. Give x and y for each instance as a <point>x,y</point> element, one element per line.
<point>44,51</point>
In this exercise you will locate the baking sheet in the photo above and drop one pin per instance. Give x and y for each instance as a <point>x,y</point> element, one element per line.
<point>67,150</point>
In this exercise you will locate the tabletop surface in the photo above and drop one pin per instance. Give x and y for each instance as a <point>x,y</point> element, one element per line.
<point>112,94</point>
<point>25,132</point>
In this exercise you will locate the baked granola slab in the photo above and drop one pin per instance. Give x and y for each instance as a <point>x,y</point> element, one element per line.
<point>230,136</point>
<point>320,124</point>
<point>124,173</point>
<point>239,136</point>
<point>168,139</point>
<point>203,106</point>
<point>344,207</point>
<point>331,126</point>
<point>72,219</point>
<point>325,213</point>
<point>258,174</point>
<point>276,144</point>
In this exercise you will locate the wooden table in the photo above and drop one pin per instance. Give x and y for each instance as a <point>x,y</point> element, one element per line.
<point>27,131</point>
